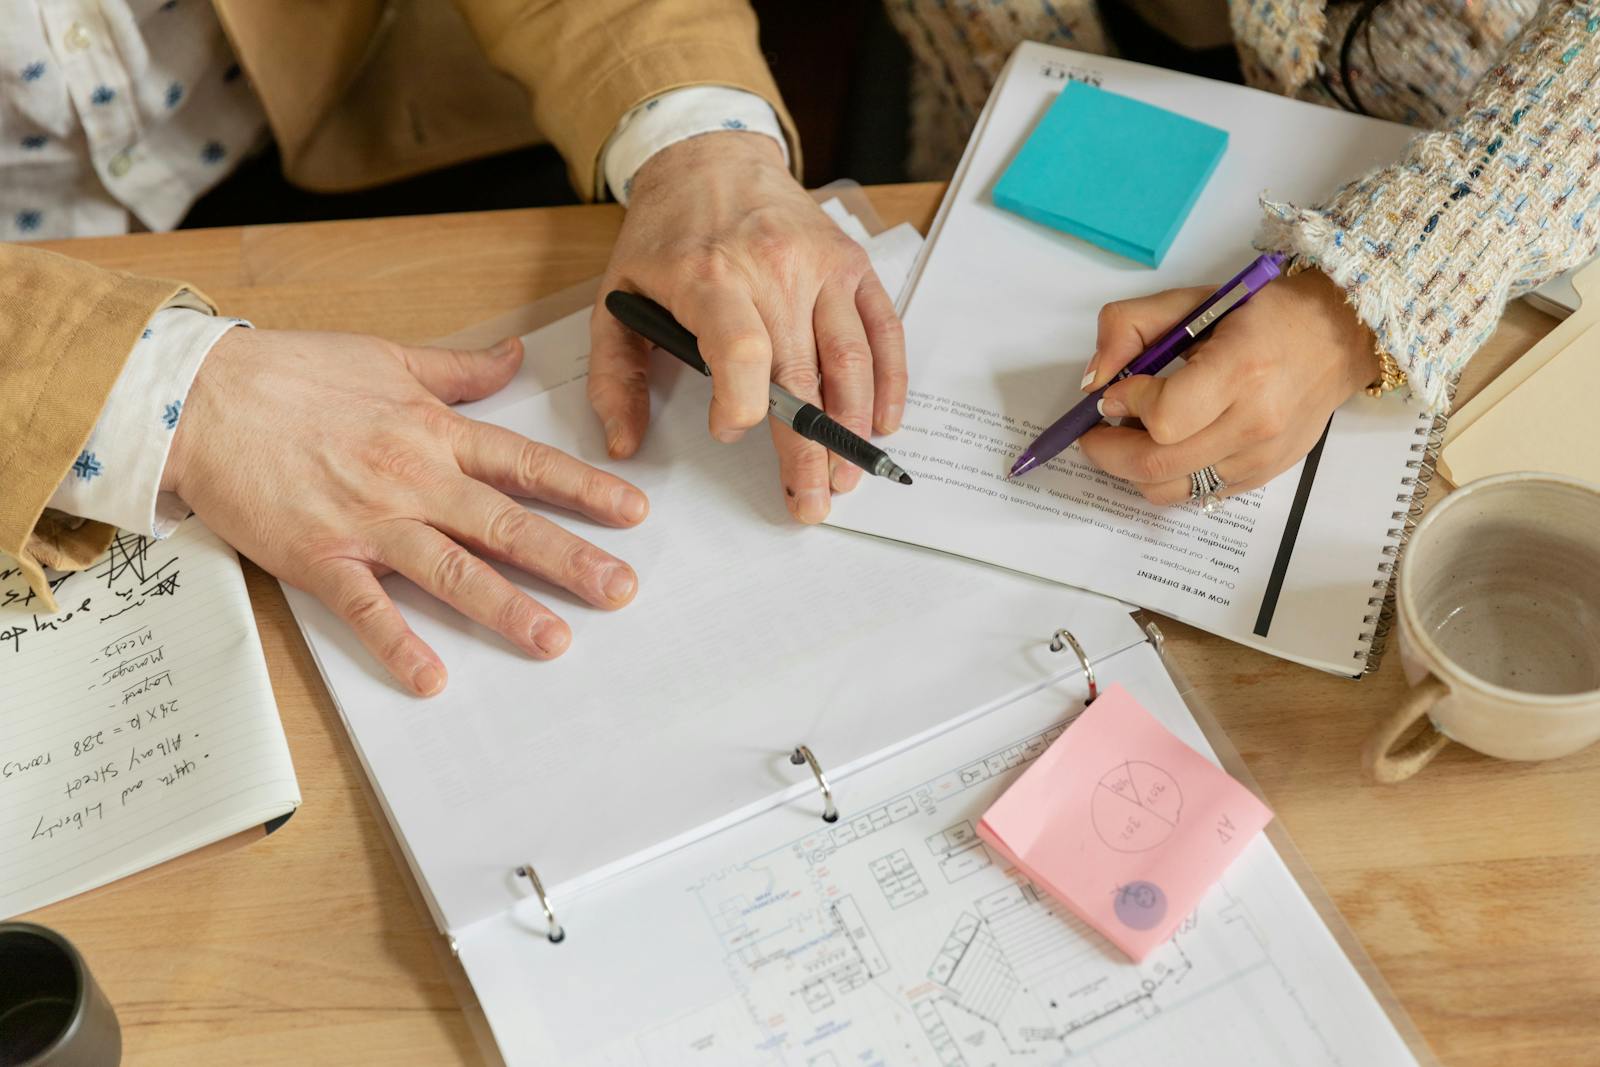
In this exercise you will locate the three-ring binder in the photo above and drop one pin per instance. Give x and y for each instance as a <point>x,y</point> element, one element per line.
<point>802,755</point>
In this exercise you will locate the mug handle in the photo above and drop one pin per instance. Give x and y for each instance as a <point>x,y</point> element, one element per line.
<point>1388,765</point>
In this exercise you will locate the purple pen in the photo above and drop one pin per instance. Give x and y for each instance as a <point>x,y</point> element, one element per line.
<point>1172,344</point>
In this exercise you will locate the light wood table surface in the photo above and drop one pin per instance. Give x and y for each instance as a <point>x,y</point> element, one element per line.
<point>1475,887</point>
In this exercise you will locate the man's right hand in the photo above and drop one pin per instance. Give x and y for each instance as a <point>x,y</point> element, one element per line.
<point>332,459</point>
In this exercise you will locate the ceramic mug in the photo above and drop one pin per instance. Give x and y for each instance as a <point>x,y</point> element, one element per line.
<point>1498,610</point>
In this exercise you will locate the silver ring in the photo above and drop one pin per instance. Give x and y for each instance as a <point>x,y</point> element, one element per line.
<point>553,929</point>
<point>1064,639</point>
<point>1204,486</point>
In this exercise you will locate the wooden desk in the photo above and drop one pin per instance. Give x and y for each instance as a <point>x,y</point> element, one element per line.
<point>1474,887</point>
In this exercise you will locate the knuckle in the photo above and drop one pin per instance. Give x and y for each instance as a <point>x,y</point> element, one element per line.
<point>399,460</point>
<point>1112,316</point>
<point>364,609</point>
<point>535,464</point>
<point>801,376</point>
<point>506,526</point>
<point>1151,467</point>
<point>515,615</point>
<point>453,569</point>
<point>746,347</point>
<point>581,560</point>
<point>849,355</point>
<point>886,325</point>
<point>1159,425</point>
<point>710,264</point>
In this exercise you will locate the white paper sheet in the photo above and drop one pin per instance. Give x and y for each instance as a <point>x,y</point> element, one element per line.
<point>137,723</point>
<point>750,635</point>
<point>896,936</point>
<point>1001,319</point>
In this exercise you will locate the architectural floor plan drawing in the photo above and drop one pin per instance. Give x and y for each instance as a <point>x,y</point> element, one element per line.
<point>896,936</point>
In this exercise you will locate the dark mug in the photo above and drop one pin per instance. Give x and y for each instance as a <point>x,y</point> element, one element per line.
<point>52,1014</point>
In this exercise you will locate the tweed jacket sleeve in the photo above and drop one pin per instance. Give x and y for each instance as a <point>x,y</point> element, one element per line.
<point>1429,249</point>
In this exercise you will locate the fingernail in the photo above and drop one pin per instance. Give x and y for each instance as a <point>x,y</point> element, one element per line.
<point>1111,408</point>
<point>811,505</point>
<point>843,476</point>
<point>728,437</point>
<point>1088,379</point>
<point>427,679</point>
<point>891,417</point>
<point>504,348</point>
<point>619,584</point>
<point>630,504</point>
<point>550,636</point>
<point>613,430</point>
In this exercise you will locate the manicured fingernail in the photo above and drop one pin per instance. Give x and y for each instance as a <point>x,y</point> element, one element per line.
<point>504,348</point>
<point>1111,408</point>
<point>619,585</point>
<point>1088,379</point>
<point>891,417</point>
<point>427,679</point>
<point>811,505</point>
<point>630,503</point>
<point>550,636</point>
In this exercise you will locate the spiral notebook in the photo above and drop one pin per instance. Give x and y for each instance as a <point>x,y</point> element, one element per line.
<point>1000,320</point>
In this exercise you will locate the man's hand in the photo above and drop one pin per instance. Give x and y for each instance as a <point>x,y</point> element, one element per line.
<point>331,459</point>
<point>1250,400</point>
<point>721,234</point>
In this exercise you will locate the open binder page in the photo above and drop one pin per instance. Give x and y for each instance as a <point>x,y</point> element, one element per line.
<point>137,724</point>
<point>896,936</point>
<point>750,635</point>
<point>1001,320</point>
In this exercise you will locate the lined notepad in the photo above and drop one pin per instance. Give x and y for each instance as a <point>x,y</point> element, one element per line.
<point>137,723</point>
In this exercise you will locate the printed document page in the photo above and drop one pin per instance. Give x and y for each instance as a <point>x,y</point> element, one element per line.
<point>896,936</point>
<point>1000,323</point>
<point>750,635</point>
<point>137,723</point>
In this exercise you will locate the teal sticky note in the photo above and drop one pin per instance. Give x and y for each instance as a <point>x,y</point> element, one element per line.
<point>1116,172</point>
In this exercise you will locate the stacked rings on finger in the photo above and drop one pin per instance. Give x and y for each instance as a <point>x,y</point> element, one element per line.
<point>1204,485</point>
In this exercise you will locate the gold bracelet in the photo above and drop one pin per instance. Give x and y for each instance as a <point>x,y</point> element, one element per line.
<point>1390,376</point>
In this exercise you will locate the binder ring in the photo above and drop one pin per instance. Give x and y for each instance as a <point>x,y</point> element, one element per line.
<point>1065,639</point>
<point>556,933</point>
<point>802,754</point>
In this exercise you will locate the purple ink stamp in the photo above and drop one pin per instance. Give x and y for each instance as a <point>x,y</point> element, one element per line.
<point>1140,905</point>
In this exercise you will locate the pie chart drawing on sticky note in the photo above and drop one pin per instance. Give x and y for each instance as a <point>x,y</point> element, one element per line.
<point>1136,806</point>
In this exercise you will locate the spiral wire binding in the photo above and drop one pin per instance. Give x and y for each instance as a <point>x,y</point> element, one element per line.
<point>1416,485</point>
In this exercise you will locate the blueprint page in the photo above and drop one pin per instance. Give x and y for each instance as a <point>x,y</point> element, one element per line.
<point>895,936</point>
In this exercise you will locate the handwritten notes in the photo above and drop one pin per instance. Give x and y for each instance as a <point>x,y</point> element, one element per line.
<point>137,723</point>
<point>1124,823</point>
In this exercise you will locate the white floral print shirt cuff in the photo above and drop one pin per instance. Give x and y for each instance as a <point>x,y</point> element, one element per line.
<point>677,116</point>
<point>117,477</point>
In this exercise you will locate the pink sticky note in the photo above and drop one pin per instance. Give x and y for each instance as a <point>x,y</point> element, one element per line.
<point>1124,823</point>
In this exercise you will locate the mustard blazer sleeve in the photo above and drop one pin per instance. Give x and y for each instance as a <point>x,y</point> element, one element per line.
<point>66,329</point>
<point>585,63</point>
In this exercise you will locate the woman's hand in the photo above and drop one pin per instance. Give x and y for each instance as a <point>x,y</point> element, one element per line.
<point>332,459</point>
<point>720,233</point>
<point>1251,399</point>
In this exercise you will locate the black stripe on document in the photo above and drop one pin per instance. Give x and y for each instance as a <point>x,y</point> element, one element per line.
<point>1291,530</point>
